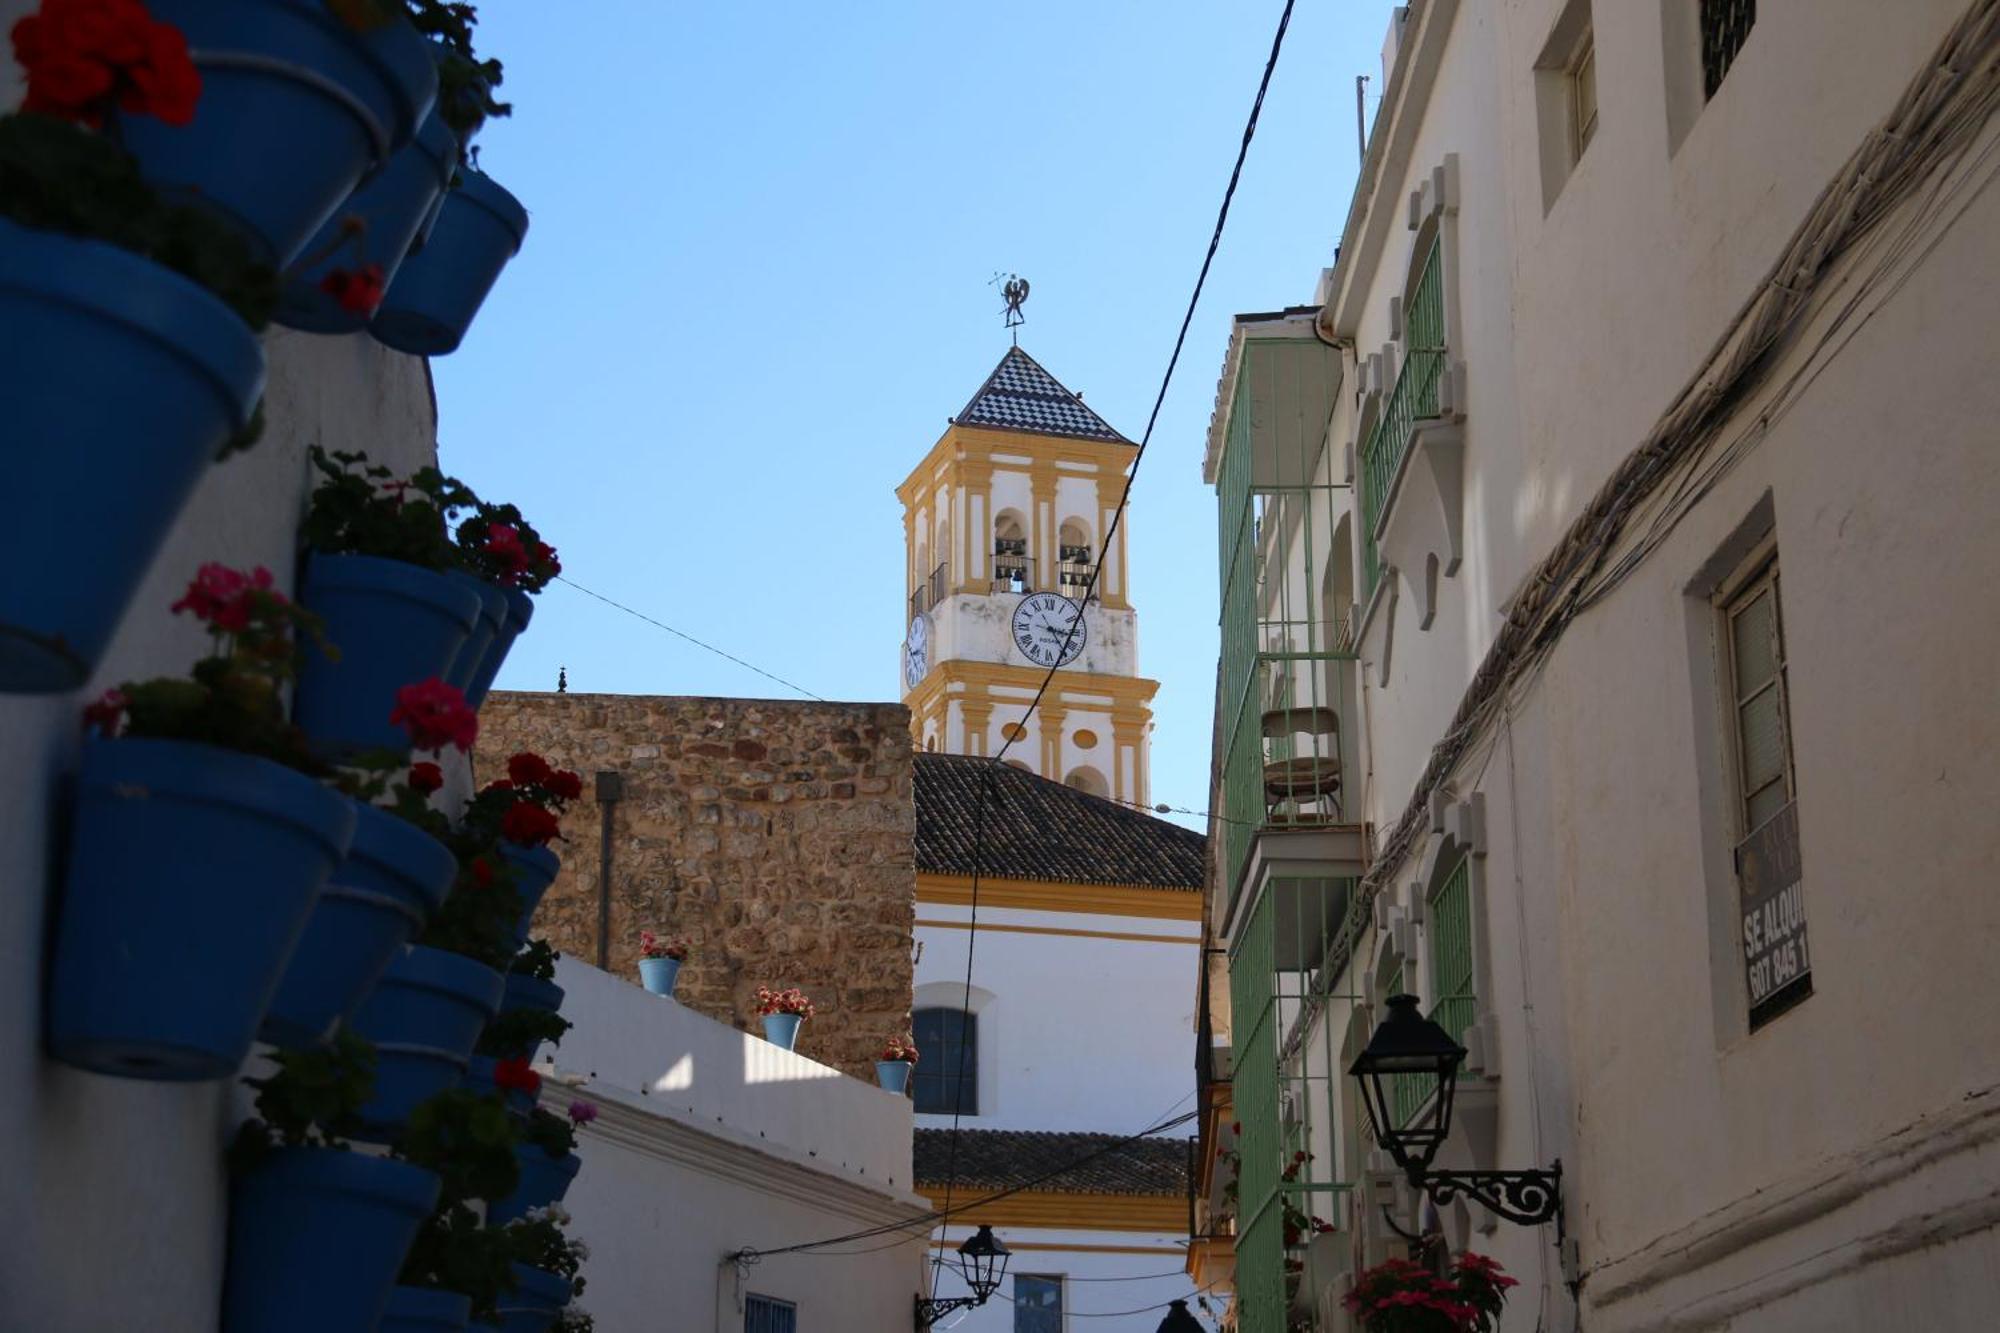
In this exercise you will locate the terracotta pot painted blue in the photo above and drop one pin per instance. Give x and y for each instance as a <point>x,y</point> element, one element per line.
<point>441,287</point>
<point>526,992</point>
<point>120,381</point>
<point>316,1237</point>
<point>421,1310</point>
<point>657,975</point>
<point>534,870</point>
<point>374,225</point>
<point>423,1016</point>
<point>544,1180</point>
<point>394,625</point>
<point>478,1079</point>
<point>479,645</point>
<point>192,871</point>
<point>394,877</point>
<point>538,1297</point>
<point>520,610</point>
<point>296,108</point>
<point>782,1030</point>
<point>893,1075</point>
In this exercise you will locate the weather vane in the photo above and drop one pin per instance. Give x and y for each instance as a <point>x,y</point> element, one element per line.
<point>1014,291</point>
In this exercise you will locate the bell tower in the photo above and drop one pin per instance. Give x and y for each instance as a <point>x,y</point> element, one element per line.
<point>1003,522</point>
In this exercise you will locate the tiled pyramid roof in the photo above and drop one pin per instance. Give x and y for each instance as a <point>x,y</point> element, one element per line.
<point>1020,395</point>
<point>1037,829</point>
<point>998,1159</point>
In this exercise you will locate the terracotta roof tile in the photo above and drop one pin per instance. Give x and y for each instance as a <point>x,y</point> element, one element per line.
<point>997,1159</point>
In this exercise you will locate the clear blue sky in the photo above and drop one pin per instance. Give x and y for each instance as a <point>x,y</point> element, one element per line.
<point>756,287</point>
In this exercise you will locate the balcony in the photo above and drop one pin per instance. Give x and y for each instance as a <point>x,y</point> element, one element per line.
<point>1013,573</point>
<point>931,591</point>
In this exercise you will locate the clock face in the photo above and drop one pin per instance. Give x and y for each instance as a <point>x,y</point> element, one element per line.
<point>917,650</point>
<point>1042,623</point>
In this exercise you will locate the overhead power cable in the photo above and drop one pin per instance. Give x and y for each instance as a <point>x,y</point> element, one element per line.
<point>705,647</point>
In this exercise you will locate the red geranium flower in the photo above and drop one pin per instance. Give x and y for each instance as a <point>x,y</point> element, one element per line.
<point>435,715</point>
<point>528,769</point>
<point>528,825</point>
<point>564,785</point>
<point>107,714</point>
<point>426,778</point>
<point>83,56</point>
<point>545,555</point>
<point>356,290</point>
<point>482,873</point>
<point>223,596</point>
<point>503,542</point>
<point>515,1075</point>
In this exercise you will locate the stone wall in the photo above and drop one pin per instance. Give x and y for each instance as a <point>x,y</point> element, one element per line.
<point>777,835</point>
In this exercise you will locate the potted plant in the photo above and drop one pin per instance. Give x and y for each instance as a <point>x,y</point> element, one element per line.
<point>894,1064</point>
<point>660,961</point>
<point>549,1161</point>
<point>783,1011</point>
<point>299,103</point>
<point>1401,1296</point>
<point>438,291</point>
<point>512,563</point>
<point>518,816</point>
<point>132,350</point>
<point>529,1008</point>
<point>316,1232</point>
<point>198,844</point>
<point>458,1263</point>
<point>546,1269</point>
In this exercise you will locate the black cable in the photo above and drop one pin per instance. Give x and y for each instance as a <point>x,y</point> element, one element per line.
<point>965,1005</point>
<point>709,647</point>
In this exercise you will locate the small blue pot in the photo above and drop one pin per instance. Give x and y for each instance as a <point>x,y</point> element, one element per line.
<point>893,1075</point>
<point>423,1016</point>
<point>658,974</point>
<point>192,871</point>
<point>316,1237</point>
<point>394,877</point>
<point>526,992</point>
<point>479,644</point>
<point>782,1030</point>
<point>539,1296</point>
<point>394,625</point>
<point>520,610</point>
<point>544,1180</point>
<point>120,381</point>
<point>441,287</point>
<point>422,1310</point>
<point>375,225</point>
<point>296,107</point>
<point>478,1079</point>
<point>534,870</point>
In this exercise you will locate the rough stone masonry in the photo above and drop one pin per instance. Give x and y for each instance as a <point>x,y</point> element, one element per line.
<point>776,835</point>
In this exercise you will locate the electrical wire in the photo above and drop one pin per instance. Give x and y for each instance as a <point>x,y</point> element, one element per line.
<point>706,647</point>
<point>1120,1314</point>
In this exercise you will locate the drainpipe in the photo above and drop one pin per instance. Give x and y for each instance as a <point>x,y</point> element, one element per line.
<point>610,787</point>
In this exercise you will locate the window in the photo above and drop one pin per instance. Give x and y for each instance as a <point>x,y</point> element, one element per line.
<point>1088,779</point>
<point>1451,950</point>
<point>947,1078</point>
<point>1725,26</point>
<point>1760,725</point>
<point>1038,1303</point>
<point>761,1314</point>
<point>1013,569</point>
<point>1565,96</point>
<point>1582,78</point>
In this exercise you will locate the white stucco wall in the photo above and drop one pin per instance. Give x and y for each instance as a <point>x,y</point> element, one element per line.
<point>1114,1281</point>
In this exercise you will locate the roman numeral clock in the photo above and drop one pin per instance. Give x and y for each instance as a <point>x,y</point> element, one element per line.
<point>1049,629</point>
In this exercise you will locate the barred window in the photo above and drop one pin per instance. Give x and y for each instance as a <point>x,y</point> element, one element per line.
<point>1038,1303</point>
<point>946,1081</point>
<point>1725,26</point>
<point>761,1314</point>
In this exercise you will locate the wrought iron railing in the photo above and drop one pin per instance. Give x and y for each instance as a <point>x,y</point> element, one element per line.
<point>929,592</point>
<point>1013,573</point>
<point>1414,399</point>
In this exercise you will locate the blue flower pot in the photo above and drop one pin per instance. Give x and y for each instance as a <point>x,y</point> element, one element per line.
<point>479,645</point>
<point>658,974</point>
<point>375,225</point>
<point>441,287</point>
<point>538,1297</point>
<point>394,877</point>
<point>422,1310</point>
<point>394,625</point>
<point>534,870</point>
<point>893,1075</point>
<point>526,992</point>
<point>316,1237</point>
<point>544,1180</point>
<point>192,871</point>
<point>120,381</point>
<point>296,107</point>
<point>520,610</point>
<point>423,1016</point>
<point>782,1030</point>
<point>478,1078</point>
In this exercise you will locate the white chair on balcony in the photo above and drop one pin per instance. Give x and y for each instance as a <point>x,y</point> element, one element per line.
<point>1311,778</point>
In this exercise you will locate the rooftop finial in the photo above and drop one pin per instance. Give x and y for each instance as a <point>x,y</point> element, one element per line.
<point>1014,291</point>
<point>562,680</point>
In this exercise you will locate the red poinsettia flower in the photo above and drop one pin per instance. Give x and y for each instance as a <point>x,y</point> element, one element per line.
<point>528,825</point>
<point>356,290</point>
<point>516,1076</point>
<point>82,57</point>
<point>527,769</point>
<point>426,778</point>
<point>435,715</point>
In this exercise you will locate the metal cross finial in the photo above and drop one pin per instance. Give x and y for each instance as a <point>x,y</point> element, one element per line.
<point>1014,291</point>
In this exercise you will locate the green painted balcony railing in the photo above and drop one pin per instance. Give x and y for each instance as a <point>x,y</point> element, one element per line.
<point>1414,399</point>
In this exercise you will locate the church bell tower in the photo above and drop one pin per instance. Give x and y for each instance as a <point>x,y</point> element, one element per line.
<point>1003,523</point>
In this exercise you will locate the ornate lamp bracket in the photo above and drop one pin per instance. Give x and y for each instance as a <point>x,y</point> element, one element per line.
<point>1526,1198</point>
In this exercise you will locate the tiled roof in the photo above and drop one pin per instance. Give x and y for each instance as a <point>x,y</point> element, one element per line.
<point>997,1159</point>
<point>1037,829</point>
<point>1020,395</point>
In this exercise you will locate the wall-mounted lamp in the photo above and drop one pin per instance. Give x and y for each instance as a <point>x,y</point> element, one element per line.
<point>982,1262</point>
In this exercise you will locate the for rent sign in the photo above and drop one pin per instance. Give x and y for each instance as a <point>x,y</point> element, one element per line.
<point>1776,960</point>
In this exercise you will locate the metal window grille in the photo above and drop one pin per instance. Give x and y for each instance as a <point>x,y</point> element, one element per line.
<point>762,1314</point>
<point>1038,1303</point>
<point>1725,26</point>
<point>946,1080</point>
<point>1415,397</point>
<point>1451,951</point>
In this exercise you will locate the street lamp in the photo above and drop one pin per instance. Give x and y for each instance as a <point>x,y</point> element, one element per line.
<point>982,1262</point>
<point>1409,1046</point>
<point>1178,1320</point>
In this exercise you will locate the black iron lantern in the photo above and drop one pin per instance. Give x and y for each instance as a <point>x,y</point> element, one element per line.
<point>982,1262</point>
<point>1178,1320</point>
<point>1409,1079</point>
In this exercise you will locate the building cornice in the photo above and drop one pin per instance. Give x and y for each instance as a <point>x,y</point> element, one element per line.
<point>1153,1213</point>
<point>1041,895</point>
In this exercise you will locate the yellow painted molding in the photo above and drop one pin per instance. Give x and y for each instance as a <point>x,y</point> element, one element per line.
<point>1134,691</point>
<point>1075,1212</point>
<point>1058,930</point>
<point>1042,895</point>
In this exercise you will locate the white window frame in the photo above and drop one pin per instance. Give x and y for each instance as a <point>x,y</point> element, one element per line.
<point>1758,574</point>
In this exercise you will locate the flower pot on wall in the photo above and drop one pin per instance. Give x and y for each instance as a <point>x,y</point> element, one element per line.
<point>394,877</point>
<point>120,381</point>
<point>373,228</point>
<point>544,1180</point>
<point>658,975</point>
<point>893,1075</point>
<point>440,288</point>
<point>422,1310</point>
<point>534,870</point>
<point>520,610</point>
<point>782,1030</point>
<point>526,992</point>
<point>539,1296</point>
<point>192,872</point>
<point>423,1016</point>
<point>316,1237</point>
<point>393,625</point>
<point>479,645</point>
<point>296,107</point>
